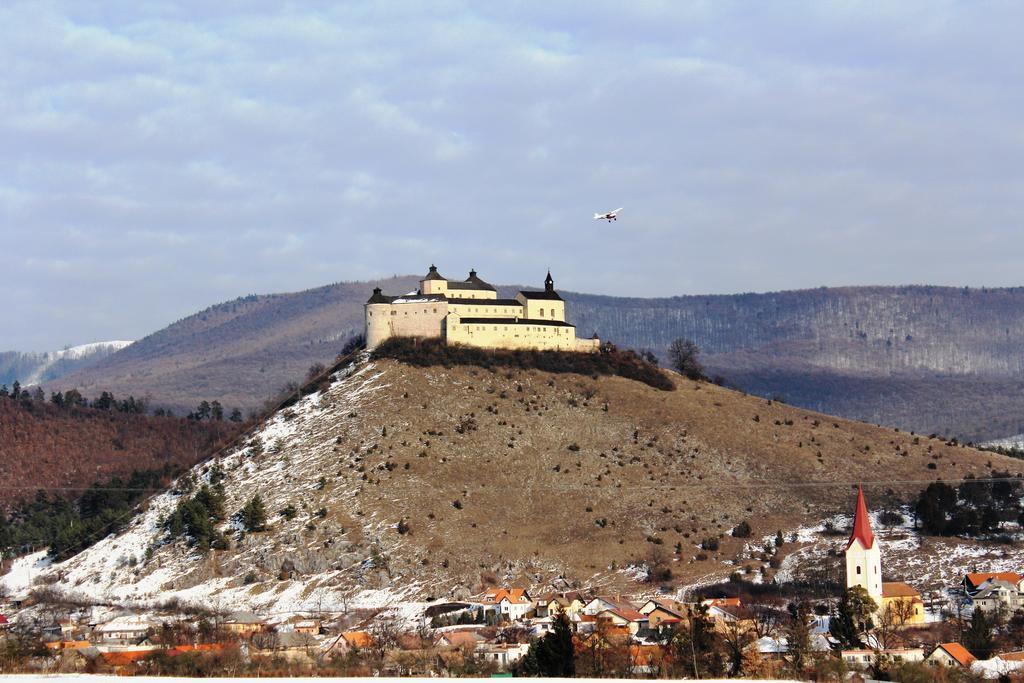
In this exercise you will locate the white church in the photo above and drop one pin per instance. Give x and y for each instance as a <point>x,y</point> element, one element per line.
<point>864,568</point>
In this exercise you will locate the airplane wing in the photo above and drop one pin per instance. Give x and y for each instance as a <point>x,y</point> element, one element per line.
<point>615,211</point>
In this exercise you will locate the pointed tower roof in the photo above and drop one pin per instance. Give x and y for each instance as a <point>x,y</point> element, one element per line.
<point>861,523</point>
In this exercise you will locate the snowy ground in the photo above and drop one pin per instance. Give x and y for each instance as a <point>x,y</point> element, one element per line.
<point>140,567</point>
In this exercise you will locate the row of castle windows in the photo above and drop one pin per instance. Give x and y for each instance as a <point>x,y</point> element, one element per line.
<point>472,310</point>
<point>550,330</point>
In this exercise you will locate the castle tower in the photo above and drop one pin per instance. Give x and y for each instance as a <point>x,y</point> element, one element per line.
<point>863,556</point>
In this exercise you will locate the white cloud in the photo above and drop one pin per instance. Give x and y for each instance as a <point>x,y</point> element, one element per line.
<point>755,147</point>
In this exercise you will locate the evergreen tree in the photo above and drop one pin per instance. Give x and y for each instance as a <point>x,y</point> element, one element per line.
<point>236,415</point>
<point>798,636</point>
<point>552,656</point>
<point>216,411</point>
<point>253,515</point>
<point>4,391</point>
<point>852,620</point>
<point>978,636</point>
<point>16,390</point>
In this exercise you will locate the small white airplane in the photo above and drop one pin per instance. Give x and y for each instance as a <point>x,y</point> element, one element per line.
<point>610,216</point>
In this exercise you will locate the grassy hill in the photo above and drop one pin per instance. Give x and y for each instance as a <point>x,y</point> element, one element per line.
<point>931,359</point>
<point>434,481</point>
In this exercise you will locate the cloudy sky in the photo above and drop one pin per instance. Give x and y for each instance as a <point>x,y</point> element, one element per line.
<point>155,161</point>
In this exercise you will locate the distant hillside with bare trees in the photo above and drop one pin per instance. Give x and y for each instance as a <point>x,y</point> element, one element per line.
<point>930,359</point>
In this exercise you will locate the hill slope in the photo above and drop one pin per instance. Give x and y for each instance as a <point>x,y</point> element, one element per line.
<point>434,481</point>
<point>931,359</point>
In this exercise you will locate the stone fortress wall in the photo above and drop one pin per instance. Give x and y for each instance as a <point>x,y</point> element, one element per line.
<point>469,312</point>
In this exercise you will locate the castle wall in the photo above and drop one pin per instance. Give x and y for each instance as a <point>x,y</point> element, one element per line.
<point>543,309</point>
<point>434,286</point>
<point>414,319</point>
<point>483,310</point>
<point>456,293</point>
<point>512,336</point>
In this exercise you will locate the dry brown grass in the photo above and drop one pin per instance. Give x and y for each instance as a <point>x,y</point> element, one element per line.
<point>537,460</point>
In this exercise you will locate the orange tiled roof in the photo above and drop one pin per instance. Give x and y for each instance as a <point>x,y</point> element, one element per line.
<point>959,653</point>
<point>124,657</point>
<point>722,602</point>
<point>898,589</point>
<point>1017,656</point>
<point>357,638</point>
<point>646,654</point>
<point>627,614</point>
<point>496,595</point>
<point>978,578</point>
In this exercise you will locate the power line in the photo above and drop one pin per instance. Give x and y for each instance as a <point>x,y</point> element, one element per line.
<point>704,484</point>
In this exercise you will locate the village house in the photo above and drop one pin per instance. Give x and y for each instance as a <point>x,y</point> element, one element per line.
<point>503,655</point>
<point>601,603</point>
<point>461,639</point>
<point>512,604</point>
<point>951,654</point>
<point>244,624</point>
<point>861,659</point>
<point>663,614</point>
<point>552,604</point>
<point>973,581</point>
<point>290,645</point>
<point>308,626</point>
<point>625,617</point>
<point>129,629</point>
<point>469,312</point>
<point>997,594</point>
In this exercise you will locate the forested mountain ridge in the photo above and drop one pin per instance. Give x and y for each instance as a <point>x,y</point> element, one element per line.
<point>931,359</point>
<point>64,448</point>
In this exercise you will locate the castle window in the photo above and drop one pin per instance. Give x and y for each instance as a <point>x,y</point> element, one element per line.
<point>542,312</point>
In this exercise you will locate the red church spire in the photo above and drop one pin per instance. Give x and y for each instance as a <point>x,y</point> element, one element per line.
<point>861,523</point>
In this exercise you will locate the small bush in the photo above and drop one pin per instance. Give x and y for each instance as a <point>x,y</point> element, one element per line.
<point>741,530</point>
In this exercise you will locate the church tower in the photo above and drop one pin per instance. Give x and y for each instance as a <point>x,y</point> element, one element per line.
<point>863,556</point>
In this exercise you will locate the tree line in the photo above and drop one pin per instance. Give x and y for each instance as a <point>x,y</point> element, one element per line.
<point>68,527</point>
<point>72,398</point>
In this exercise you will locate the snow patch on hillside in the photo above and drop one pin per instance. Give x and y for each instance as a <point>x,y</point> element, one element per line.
<point>1015,441</point>
<point>142,567</point>
<point>76,353</point>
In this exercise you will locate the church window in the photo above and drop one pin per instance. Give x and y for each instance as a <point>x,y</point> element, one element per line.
<point>858,569</point>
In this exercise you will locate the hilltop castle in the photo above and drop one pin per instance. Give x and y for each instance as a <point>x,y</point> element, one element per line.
<point>470,313</point>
